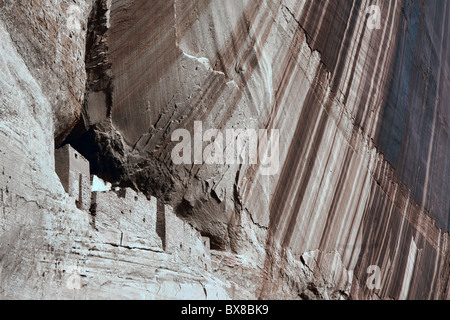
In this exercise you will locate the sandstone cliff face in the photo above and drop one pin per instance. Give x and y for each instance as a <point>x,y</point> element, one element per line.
<point>49,37</point>
<point>362,110</point>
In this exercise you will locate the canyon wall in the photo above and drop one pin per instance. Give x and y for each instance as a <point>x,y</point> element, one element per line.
<point>356,206</point>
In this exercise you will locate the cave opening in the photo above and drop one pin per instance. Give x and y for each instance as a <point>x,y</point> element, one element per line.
<point>88,144</point>
<point>96,139</point>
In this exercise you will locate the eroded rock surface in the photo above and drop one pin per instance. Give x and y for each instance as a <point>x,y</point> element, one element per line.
<point>362,109</point>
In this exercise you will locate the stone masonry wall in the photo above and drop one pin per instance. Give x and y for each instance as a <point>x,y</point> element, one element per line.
<point>74,173</point>
<point>125,218</point>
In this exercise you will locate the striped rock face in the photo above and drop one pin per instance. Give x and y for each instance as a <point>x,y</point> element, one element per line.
<point>359,94</point>
<point>288,149</point>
